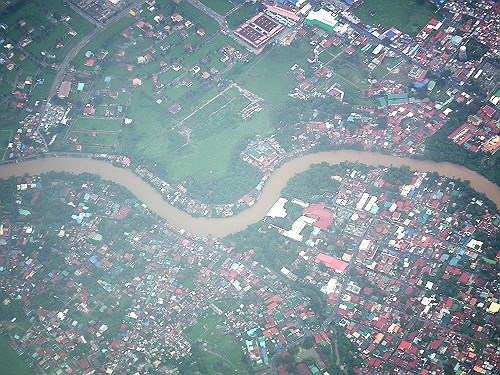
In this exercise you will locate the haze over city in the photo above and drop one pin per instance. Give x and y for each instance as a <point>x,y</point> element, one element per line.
<point>296,187</point>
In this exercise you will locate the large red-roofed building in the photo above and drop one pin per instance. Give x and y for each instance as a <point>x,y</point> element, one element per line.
<point>332,262</point>
<point>258,30</point>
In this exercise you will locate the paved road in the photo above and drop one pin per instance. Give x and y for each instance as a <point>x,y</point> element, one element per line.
<point>63,67</point>
<point>222,23</point>
<point>83,14</point>
<point>216,16</point>
<point>71,55</point>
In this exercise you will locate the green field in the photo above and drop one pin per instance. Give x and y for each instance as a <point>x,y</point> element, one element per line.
<point>274,66</point>
<point>101,139</point>
<point>210,53</point>
<point>41,92</point>
<point>10,361</point>
<point>244,12</point>
<point>199,18</point>
<point>227,350</point>
<point>219,6</point>
<point>212,147</point>
<point>5,137</point>
<point>408,16</point>
<point>97,124</point>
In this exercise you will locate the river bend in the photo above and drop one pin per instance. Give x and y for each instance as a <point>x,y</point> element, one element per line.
<point>220,227</point>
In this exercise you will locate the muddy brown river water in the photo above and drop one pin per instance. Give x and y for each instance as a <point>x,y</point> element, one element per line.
<point>220,227</point>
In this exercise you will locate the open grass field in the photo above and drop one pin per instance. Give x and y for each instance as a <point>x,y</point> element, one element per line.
<point>214,120</point>
<point>7,83</point>
<point>224,350</point>
<point>211,157</point>
<point>219,6</point>
<point>209,53</point>
<point>101,139</point>
<point>11,363</point>
<point>97,124</point>
<point>28,66</point>
<point>42,91</point>
<point>5,136</point>
<point>408,16</point>
<point>243,13</point>
<point>273,66</point>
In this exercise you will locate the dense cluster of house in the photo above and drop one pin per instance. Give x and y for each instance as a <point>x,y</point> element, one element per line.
<point>402,274</point>
<point>422,291</point>
<point>479,132</point>
<point>407,277</point>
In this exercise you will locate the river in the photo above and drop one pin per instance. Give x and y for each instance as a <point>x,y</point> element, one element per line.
<point>220,227</point>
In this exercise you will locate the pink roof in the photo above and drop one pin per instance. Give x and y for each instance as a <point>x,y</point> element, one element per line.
<point>331,262</point>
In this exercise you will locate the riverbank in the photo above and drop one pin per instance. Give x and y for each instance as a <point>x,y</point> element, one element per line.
<point>220,227</point>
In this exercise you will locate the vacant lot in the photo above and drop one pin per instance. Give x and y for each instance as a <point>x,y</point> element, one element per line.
<point>409,16</point>
<point>12,364</point>
<point>210,118</point>
<point>223,353</point>
<point>88,138</point>
<point>219,6</point>
<point>243,13</point>
<point>268,75</point>
<point>217,133</point>
<point>97,124</point>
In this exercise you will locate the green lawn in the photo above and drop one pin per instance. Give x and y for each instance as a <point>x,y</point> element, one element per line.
<point>5,136</point>
<point>408,16</point>
<point>209,156</point>
<point>223,345</point>
<point>211,51</point>
<point>28,66</point>
<point>268,75</point>
<point>12,364</point>
<point>215,138</point>
<point>97,124</point>
<point>219,6</point>
<point>198,17</point>
<point>101,139</point>
<point>41,92</point>
<point>169,76</point>
<point>245,12</point>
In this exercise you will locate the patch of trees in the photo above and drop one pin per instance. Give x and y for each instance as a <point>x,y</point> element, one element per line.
<point>465,201</point>
<point>398,176</point>
<point>450,287</point>
<point>348,353</point>
<point>270,248</point>
<point>238,180</point>
<point>314,182</point>
<point>317,299</point>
